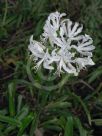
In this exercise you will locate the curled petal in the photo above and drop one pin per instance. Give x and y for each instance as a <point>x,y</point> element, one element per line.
<point>47,66</point>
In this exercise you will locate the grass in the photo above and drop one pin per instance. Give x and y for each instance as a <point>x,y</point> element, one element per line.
<point>27,107</point>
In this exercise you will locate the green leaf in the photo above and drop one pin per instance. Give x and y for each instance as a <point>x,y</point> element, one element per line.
<point>62,122</point>
<point>34,124</point>
<point>50,121</point>
<point>95,74</point>
<point>11,91</point>
<point>1,133</point>
<point>23,113</point>
<point>19,103</point>
<point>98,122</point>
<point>78,125</point>
<point>83,105</point>
<point>9,120</point>
<point>25,122</point>
<point>58,105</point>
<point>9,129</point>
<point>53,127</point>
<point>69,127</point>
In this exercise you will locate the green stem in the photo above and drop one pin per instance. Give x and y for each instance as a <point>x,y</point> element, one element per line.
<point>5,13</point>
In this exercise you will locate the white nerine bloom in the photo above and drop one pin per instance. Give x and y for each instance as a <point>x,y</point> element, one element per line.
<point>62,47</point>
<point>52,26</point>
<point>85,46</point>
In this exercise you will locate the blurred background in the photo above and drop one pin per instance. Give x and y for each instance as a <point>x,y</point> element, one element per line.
<point>21,103</point>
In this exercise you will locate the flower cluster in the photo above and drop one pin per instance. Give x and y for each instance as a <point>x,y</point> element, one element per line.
<point>62,47</point>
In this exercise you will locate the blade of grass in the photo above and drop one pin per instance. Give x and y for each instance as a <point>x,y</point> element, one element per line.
<point>69,127</point>
<point>98,122</point>
<point>19,103</point>
<point>78,125</point>
<point>9,120</point>
<point>23,113</point>
<point>5,13</point>
<point>25,122</point>
<point>11,91</point>
<point>83,105</point>
<point>34,124</point>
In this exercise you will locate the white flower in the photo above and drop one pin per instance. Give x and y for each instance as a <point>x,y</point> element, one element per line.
<point>63,45</point>
<point>63,59</point>
<point>51,27</point>
<point>83,62</point>
<point>37,50</point>
<point>46,61</point>
<point>85,46</point>
<point>72,31</point>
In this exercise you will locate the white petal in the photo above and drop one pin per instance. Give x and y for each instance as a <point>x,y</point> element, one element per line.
<point>69,24</point>
<point>79,30</point>
<point>47,66</point>
<point>88,48</point>
<point>74,28</point>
